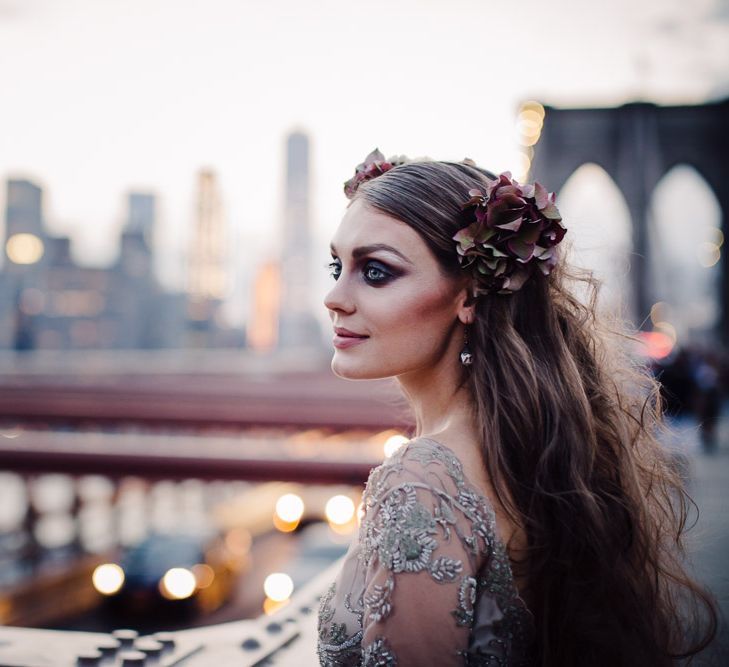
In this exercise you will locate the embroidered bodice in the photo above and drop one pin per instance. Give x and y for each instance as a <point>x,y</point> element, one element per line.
<point>426,581</point>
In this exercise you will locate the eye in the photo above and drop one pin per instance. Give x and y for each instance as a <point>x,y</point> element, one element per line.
<point>375,273</point>
<point>335,268</point>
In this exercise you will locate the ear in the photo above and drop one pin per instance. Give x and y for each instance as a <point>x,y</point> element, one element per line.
<point>466,305</point>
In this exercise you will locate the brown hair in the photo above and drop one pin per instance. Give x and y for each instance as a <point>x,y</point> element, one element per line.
<point>568,424</point>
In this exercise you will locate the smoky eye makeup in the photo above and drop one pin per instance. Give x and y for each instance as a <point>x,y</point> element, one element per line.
<point>376,273</point>
<point>373,271</point>
<point>335,268</point>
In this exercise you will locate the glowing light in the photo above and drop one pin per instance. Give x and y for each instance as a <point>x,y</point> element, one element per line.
<point>528,128</point>
<point>529,141</point>
<point>290,508</point>
<point>278,586</point>
<point>54,530</point>
<point>178,583</point>
<point>533,106</point>
<point>529,124</point>
<point>270,606</point>
<point>666,328</point>
<point>531,116</point>
<point>656,344</point>
<point>24,248</point>
<point>339,510</point>
<point>709,254</point>
<point>204,575</point>
<point>284,526</point>
<point>108,578</point>
<point>393,443</point>
<point>659,311</point>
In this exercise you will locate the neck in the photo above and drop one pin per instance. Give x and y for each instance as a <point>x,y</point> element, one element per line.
<point>433,393</point>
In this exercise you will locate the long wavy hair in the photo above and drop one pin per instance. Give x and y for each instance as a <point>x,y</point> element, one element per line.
<point>569,424</point>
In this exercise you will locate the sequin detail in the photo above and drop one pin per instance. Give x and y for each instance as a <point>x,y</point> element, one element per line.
<point>378,654</point>
<point>378,602</point>
<point>466,601</point>
<point>424,519</point>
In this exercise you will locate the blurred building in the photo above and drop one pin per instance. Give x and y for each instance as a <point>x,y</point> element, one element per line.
<point>208,279</point>
<point>297,326</point>
<point>263,329</point>
<point>142,214</point>
<point>47,301</point>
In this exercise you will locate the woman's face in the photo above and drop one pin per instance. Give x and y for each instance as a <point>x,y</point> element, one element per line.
<point>390,292</point>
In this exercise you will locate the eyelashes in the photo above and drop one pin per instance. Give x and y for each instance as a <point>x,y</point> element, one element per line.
<point>374,273</point>
<point>335,268</point>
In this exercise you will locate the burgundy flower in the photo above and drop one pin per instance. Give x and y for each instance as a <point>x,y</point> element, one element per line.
<point>514,230</point>
<point>374,165</point>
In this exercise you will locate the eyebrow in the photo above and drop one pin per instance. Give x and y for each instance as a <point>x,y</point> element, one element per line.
<point>374,247</point>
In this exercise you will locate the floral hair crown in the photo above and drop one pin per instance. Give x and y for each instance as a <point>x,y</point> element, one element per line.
<point>510,229</point>
<point>374,165</point>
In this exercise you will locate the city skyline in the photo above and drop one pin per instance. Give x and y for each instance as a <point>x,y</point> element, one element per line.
<point>48,300</point>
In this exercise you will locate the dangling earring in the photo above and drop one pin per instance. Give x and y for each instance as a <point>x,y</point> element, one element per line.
<point>466,356</point>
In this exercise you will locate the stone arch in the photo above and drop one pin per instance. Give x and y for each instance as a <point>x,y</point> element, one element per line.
<point>685,240</point>
<point>636,144</point>
<point>600,233</point>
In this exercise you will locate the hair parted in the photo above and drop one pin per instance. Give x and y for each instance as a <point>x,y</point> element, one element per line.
<point>569,426</point>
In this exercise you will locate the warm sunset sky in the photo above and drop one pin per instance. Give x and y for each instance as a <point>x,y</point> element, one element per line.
<point>101,96</point>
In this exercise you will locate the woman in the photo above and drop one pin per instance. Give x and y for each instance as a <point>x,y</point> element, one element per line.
<point>534,520</point>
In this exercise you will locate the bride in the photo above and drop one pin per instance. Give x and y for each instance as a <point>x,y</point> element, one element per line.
<point>534,519</point>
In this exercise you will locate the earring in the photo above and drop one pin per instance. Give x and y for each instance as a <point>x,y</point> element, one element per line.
<point>466,356</point>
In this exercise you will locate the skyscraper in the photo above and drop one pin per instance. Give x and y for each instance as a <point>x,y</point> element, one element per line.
<point>136,256</point>
<point>141,215</point>
<point>25,237</point>
<point>297,325</point>
<point>24,208</point>
<point>208,271</point>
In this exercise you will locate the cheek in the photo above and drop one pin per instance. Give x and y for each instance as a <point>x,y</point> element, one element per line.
<point>408,329</point>
<point>419,309</point>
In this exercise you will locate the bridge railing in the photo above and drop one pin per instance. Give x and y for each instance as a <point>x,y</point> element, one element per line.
<point>152,427</point>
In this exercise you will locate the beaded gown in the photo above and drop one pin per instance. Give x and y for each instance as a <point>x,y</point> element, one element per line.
<point>426,581</point>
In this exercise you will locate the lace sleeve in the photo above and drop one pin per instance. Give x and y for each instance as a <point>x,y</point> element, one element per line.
<point>423,539</point>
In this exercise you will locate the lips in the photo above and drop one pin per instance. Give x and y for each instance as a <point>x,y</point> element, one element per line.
<point>345,338</point>
<point>341,331</point>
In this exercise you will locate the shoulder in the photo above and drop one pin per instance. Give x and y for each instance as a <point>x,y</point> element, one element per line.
<point>422,487</point>
<point>422,462</point>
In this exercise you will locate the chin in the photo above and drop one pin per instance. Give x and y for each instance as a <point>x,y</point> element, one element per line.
<point>350,369</point>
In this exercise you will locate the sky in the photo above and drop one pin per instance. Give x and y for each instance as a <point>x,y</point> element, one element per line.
<point>100,97</point>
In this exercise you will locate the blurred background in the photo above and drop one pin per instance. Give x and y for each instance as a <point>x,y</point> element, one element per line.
<point>174,450</point>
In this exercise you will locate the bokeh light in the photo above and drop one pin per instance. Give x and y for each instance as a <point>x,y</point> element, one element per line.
<point>708,254</point>
<point>655,344</point>
<point>339,510</point>
<point>290,507</point>
<point>278,586</point>
<point>178,583</point>
<point>204,575</point>
<point>108,578</point>
<point>24,248</point>
<point>393,443</point>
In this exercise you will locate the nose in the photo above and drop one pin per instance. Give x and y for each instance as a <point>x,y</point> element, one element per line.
<point>338,299</point>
